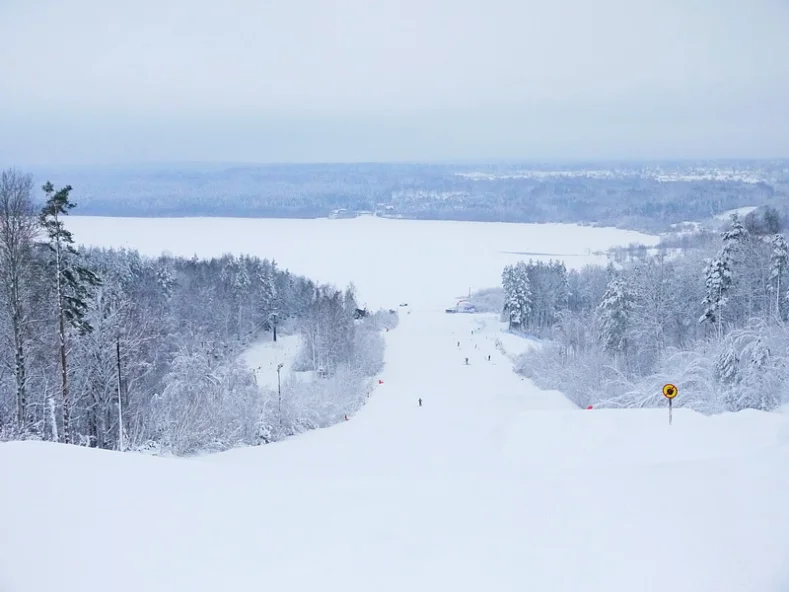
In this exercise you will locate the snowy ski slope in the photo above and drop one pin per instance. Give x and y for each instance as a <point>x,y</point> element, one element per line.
<point>492,484</point>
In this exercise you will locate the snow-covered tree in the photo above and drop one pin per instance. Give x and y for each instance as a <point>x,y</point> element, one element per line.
<point>615,315</point>
<point>779,258</point>
<point>73,283</point>
<point>734,239</point>
<point>718,280</point>
<point>653,296</point>
<point>518,303</point>
<point>18,231</point>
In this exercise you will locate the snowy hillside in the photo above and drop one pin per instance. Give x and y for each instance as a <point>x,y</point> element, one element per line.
<point>492,484</point>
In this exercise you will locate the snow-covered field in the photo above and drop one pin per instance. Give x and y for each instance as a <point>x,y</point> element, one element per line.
<point>390,261</point>
<point>264,356</point>
<point>492,484</point>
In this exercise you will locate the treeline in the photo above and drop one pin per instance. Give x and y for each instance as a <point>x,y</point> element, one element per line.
<point>106,346</point>
<point>711,320</point>
<point>629,198</point>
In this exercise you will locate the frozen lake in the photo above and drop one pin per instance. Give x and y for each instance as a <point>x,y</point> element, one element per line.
<point>426,263</point>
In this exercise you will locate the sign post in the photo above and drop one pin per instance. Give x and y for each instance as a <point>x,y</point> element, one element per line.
<point>670,391</point>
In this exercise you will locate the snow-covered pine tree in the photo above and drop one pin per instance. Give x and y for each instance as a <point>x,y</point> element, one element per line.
<point>779,258</point>
<point>734,239</point>
<point>717,282</point>
<point>73,284</point>
<point>614,313</point>
<point>519,304</point>
<point>739,254</point>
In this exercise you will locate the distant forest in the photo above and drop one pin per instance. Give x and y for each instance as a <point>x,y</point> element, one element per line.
<point>644,196</point>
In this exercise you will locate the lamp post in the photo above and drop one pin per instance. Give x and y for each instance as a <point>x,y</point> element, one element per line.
<point>279,391</point>
<point>274,317</point>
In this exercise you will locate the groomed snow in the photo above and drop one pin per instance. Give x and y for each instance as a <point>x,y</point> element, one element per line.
<point>264,356</point>
<point>492,484</point>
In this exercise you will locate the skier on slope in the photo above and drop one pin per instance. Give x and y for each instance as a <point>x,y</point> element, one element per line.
<point>420,401</point>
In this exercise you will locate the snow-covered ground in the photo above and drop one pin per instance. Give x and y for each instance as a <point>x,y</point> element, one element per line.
<point>264,356</point>
<point>390,261</point>
<point>492,484</point>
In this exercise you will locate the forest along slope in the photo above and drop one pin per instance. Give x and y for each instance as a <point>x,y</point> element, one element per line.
<point>491,484</point>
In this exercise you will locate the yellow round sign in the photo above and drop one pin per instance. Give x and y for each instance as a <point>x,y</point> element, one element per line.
<point>670,391</point>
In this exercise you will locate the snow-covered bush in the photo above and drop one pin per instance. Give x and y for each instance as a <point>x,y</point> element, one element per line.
<point>205,406</point>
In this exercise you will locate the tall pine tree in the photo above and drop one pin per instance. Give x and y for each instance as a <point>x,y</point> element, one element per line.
<point>517,294</point>
<point>73,284</point>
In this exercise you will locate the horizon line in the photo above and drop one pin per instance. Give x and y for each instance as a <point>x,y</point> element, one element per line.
<point>407,162</point>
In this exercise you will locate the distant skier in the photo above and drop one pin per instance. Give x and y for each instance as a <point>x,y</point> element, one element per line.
<point>466,361</point>
<point>420,401</point>
<point>488,357</point>
<point>458,344</point>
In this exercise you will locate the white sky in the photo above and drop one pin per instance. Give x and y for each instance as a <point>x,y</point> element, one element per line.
<point>91,81</point>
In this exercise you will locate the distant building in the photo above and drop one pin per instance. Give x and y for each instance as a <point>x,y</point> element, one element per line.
<point>342,213</point>
<point>463,306</point>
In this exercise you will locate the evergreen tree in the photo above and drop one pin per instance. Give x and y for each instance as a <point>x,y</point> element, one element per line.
<point>519,304</point>
<point>615,317</point>
<point>717,283</point>
<point>73,284</point>
<point>734,239</point>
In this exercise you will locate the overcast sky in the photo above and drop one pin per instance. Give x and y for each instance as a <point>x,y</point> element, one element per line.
<point>94,81</point>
